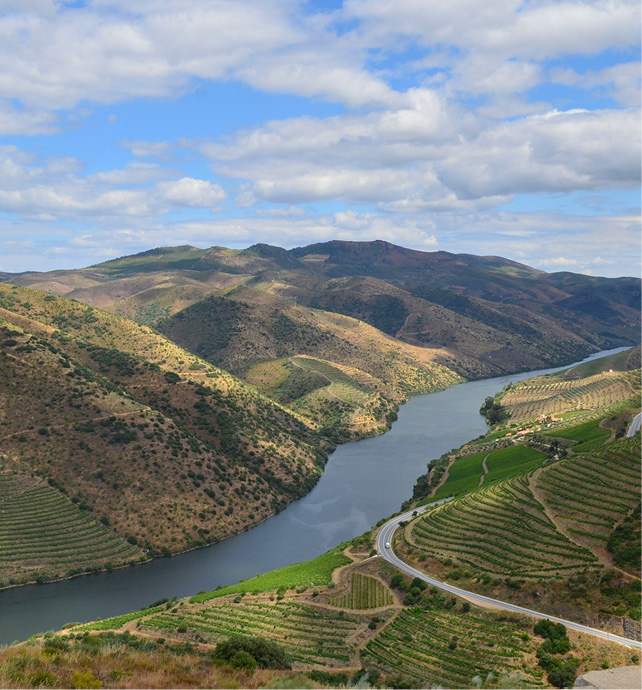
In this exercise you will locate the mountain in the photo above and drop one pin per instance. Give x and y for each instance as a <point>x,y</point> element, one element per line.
<point>159,446</point>
<point>415,320</point>
<point>493,314</point>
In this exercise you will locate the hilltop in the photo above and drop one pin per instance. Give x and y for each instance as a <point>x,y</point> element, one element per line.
<point>483,315</point>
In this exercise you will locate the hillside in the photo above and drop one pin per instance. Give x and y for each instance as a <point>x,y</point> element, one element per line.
<point>159,446</point>
<point>335,621</point>
<point>482,315</point>
<point>545,513</point>
<point>336,371</point>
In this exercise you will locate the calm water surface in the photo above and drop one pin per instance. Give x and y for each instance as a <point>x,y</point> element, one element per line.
<point>362,483</point>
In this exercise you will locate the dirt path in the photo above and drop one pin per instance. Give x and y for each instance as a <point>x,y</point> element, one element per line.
<point>485,466</point>
<point>443,479</point>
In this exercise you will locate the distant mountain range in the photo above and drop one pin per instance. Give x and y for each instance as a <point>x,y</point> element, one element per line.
<point>480,316</point>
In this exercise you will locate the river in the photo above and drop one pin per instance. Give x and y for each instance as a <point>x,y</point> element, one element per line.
<point>363,482</point>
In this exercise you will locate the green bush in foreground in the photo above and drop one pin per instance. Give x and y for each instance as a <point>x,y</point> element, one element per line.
<point>263,652</point>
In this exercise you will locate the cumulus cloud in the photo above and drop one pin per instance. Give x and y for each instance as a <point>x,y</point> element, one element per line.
<point>191,193</point>
<point>430,156</point>
<point>620,82</point>
<point>105,53</point>
<point>53,188</point>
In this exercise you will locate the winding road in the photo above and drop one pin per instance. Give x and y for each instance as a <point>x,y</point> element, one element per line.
<point>635,425</point>
<point>384,547</point>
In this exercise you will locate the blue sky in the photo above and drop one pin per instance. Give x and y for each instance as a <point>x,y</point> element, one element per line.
<point>506,127</point>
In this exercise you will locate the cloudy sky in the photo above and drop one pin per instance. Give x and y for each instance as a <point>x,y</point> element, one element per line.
<point>506,127</point>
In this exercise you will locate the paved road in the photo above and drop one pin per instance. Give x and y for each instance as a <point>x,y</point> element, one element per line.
<point>635,426</point>
<point>384,543</point>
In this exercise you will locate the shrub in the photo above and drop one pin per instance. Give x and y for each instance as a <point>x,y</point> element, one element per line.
<point>85,679</point>
<point>266,653</point>
<point>243,660</point>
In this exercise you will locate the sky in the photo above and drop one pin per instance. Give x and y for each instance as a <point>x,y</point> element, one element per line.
<point>491,127</point>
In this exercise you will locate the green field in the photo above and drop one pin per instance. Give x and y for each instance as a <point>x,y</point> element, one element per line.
<point>554,523</point>
<point>590,435</point>
<point>308,634</point>
<point>43,535</point>
<point>592,492</point>
<point>443,649</point>
<point>315,572</point>
<point>499,529</point>
<point>509,462</point>
<point>463,476</point>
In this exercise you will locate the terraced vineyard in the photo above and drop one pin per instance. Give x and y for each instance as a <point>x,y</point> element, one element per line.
<point>590,493</point>
<point>310,635</point>
<point>463,476</point>
<point>509,462</point>
<point>43,532</point>
<point>447,650</point>
<point>501,529</point>
<point>365,593</point>
<point>342,386</point>
<point>547,395</point>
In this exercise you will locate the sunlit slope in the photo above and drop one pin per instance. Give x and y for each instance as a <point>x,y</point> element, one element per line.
<point>590,494</point>
<point>556,395</point>
<point>543,522</point>
<point>167,448</point>
<point>501,530</point>
<point>335,370</point>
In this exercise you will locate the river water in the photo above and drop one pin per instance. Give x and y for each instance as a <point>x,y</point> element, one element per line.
<point>363,482</point>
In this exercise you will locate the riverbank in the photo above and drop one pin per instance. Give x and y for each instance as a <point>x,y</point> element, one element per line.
<point>363,482</point>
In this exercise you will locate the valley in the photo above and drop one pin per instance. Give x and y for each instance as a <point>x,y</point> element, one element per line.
<point>141,445</point>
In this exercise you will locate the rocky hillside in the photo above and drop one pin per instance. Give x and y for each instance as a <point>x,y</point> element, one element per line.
<point>165,449</point>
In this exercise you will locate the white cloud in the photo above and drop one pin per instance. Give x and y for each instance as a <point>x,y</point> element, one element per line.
<point>430,156</point>
<point>27,122</point>
<point>621,82</point>
<point>149,149</point>
<point>55,189</point>
<point>192,193</point>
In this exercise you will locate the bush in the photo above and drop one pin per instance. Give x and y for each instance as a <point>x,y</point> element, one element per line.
<point>85,679</point>
<point>243,660</point>
<point>266,653</point>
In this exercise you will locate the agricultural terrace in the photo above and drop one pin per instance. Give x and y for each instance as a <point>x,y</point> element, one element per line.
<point>445,649</point>
<point>545,395</point>
<point>309,635</point>
<point>341,385</point>
<point>589,494</point>
<point>590,435</point>
<point>501,529</point>
<point>44,536</point>
<point>333,627</point>
<point>365,592</point>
